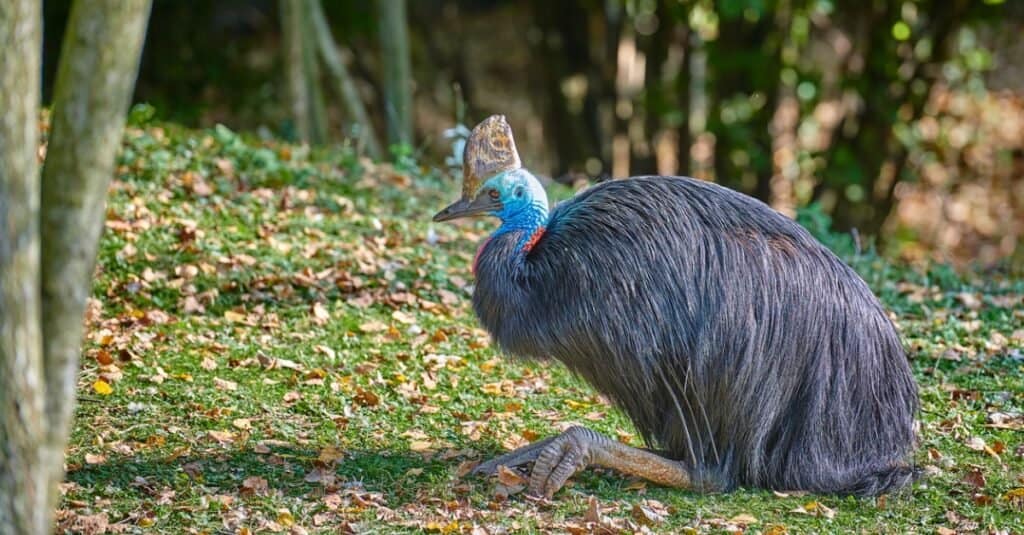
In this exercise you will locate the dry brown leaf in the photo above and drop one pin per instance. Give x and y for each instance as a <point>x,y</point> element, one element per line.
<point>815,509</point>
<point>647,515</point>
<point>975,478</point>
<point>421,445</point>
<point>366,398</point>
<point>234,317</point>
<point>510,477</point>
<point>320,314</point>
<point>254,486</point>
<point>224,384</point>
<point>744,519</point>
<point>373,327</point>
<point>224,437</point>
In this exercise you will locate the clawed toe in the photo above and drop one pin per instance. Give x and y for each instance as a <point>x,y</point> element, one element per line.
<point>558,461</point>
<point>522,456</point>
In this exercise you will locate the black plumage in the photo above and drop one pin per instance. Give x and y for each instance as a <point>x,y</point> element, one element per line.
<point>735,342</point>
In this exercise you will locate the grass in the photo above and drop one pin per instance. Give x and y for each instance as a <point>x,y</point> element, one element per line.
<point>281,341</point>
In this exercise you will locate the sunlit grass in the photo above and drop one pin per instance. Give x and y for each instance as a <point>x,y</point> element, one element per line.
<point>290,345</point>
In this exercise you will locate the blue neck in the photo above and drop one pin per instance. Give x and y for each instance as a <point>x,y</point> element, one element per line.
<point>526,220</point>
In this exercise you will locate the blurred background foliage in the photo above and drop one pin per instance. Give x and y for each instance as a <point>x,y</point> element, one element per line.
<point>901,121</point>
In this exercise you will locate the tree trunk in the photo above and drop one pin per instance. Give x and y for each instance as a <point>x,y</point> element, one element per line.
<point>397,67</point>
<point>23,481</point>
<point>575,131</point>
<point>865,141</point>
<point>346,86</point>
<point>301,71</point>
<point>744,61</point>
<point>98,65</point>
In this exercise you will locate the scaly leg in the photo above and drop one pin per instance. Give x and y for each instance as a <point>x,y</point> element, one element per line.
<point>518,457</point>
<point>579,447</point>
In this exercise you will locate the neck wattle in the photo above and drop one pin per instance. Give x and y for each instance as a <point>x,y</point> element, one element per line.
<point>529,222</point>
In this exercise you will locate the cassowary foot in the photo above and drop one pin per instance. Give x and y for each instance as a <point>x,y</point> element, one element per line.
<point>524,455</point>
<point>579,447</point>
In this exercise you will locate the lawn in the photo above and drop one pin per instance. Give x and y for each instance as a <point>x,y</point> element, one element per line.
<point>281,341</point>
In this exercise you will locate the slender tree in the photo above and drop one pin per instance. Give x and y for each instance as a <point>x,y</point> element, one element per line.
<point>23,482</point>
<point>397,66</point>
<point>346,87</point>
<point>49,251</point>
<point>302,72</point>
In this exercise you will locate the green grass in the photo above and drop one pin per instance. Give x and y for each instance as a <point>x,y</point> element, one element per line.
<point>289,344</point>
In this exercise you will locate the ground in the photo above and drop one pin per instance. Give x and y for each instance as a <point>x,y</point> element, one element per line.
<point>281,341</point>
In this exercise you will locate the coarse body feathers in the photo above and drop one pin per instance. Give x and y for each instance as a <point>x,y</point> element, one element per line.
<point>733,340</point>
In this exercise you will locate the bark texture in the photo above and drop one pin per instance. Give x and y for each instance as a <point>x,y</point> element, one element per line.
<point>23,484</point>
<point>98,65</point>
<point>397,67</point>
<point>346,87</point>
<point>302,72</point>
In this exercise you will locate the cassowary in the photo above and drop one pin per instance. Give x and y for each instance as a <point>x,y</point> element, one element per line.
<point>744,352</point>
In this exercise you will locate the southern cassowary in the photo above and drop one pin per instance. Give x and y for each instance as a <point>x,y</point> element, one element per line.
<point>744,352</point>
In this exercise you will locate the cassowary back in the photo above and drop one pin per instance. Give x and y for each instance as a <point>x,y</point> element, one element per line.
<point>730,337</point>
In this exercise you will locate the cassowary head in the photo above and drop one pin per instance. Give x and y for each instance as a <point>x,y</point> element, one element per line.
<point>494,182</point>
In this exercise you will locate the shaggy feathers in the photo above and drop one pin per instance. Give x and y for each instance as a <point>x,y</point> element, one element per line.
<point>732,339</point>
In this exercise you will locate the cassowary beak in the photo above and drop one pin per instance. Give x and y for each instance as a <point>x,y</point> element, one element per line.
<point>482,204</point>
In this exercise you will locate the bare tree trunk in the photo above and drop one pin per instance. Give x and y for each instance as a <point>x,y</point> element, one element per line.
<point>301,71</point>
<point>331,55</point>
<point>397,68</point>
<point>98,65</point>
<point>23,481</point>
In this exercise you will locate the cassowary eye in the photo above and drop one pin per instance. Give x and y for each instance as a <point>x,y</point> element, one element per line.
<point>494,194</point>
<point>519,192</point>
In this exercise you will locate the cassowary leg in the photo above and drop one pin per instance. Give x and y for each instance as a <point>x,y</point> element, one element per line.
<point>518,457</point>
<point>579,447</point>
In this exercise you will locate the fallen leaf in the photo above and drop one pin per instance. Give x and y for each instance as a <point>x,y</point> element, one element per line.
<point>254,486</point>
<point>91,458</point>
<point>102,387</point>
<point>366,398</point>
<point>224,437</point>
<point>373,327</point>
<point>320,314</point>
<point>224,384</point>
<point>1016,498</point>
<point>744,519</point>
<point>285,518</point>
<point>330,455</point>
<point>976,443</point>
<point>646,515</point>
<point>815,509</point>
<point>975,478</point>
<point>103,357</point>
<point>593,513</point>
<point>91,524</point>
<point>421,445</point>
<point>234,317</point>
<point>242,423</point>
<point>510,477</point>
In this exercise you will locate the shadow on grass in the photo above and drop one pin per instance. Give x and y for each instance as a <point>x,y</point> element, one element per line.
<point>399,475</point>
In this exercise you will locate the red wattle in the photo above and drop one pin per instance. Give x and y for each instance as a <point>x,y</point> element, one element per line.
<point>533,239</point>
<point>476,257</point>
